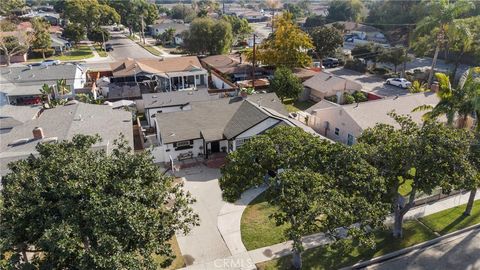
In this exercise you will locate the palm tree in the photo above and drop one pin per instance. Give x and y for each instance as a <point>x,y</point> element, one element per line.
<point>62,87</point>
<point>47,92</point>
<point>442,16</point>
<point>461,39</point>
<point>463,101</point>
<point>418,87</point>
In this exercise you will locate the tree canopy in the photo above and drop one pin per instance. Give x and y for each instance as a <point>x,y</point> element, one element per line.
<point>345,10</point>
<point>317,185</point>
<point>208,36</point>
<point>285,84</point>
<point>394,56</point>
<point>41,36</point>
<point>132,11</point>
<point>90,13</point>
<point>415,159</point>
<point>74,32</point>
<point>75,207</point>
<point>326,40</point>
<point>288,46</point>
<point>183,12</point>
<point>240,27</point>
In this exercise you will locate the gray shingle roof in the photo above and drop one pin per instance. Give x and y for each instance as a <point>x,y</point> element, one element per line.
<point>22,80</point>
<point>175,98</point>
<point>216,119</point>
<point>65,122</point>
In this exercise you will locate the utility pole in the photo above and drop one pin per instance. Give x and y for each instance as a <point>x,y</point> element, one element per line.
<point>253,62</point>
<point>103,39</point>
<point>223,12</point>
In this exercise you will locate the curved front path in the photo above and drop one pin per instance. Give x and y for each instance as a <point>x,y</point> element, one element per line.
<point>230,217</point>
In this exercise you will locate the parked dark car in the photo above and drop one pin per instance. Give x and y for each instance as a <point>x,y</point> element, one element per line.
<point>108,47</point>
<point>330,62</point>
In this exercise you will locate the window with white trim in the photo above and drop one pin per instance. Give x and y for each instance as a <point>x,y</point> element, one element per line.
<point>350,139</point>
<point>240,142</point>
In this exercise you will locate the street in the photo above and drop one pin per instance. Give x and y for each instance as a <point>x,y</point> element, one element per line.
<point>123,47</point>
<point>369,82</point>
<point>460,252</point>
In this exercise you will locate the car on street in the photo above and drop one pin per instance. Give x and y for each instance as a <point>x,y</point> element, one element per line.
<point>108,47</point>
<point>399,82</point>
<point>46,63</point>
<point>330,62</point>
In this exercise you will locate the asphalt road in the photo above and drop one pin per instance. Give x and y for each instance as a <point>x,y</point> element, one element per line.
<point>462,253</point>
<point>369,82</point>
<point>123,47</point>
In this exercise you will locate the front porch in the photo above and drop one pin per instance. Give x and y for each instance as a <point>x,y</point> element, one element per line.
<point>215,160</point>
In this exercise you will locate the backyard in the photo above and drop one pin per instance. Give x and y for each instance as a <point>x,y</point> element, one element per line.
<point>295,106</point>
<point>259,230</point>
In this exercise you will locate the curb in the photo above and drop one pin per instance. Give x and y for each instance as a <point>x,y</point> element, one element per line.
<point>404,251</point>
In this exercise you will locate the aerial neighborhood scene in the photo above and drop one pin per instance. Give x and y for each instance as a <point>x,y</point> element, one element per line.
<point>234,134</point>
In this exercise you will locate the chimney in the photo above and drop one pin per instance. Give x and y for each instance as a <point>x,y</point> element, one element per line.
<point>38,133</point>
<point>434,87</point>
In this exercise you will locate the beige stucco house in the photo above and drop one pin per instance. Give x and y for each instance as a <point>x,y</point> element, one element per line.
<point>325,84</point>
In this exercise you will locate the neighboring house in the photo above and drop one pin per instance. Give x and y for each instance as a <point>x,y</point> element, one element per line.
<point>164,75</point>
<point>62,123</point>
<point>161,26</point>
<point>157,103</point>
<point>217,126</point>
<point>345,123</point>
<point>20,85</point>
<point>59,44</point>
<point>325,84</point>
<point>12,116</point>
<point>231,68</point>
<point>253,16</point>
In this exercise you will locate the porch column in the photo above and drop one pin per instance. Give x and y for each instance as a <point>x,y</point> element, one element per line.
<point>194,81</point>
<point>183,83</point>
<point>170,83</point>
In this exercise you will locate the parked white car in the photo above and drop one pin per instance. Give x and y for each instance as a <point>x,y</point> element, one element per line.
<point>400,82</point>
<point>47,63</point>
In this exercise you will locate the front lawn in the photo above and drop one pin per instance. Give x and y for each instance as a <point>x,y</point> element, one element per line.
<point>295,106</point>
<point>415,232</point>
<point>258,230</point>
<point>101,52</point>
<point>452,219</point>
<point>80,53</point>
<point>328,257</point>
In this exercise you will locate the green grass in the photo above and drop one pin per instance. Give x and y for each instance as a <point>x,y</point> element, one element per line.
<point>452,219</point>
<point>295,106</point>
<point>80,53</point>
<point>329,257</point>
<point>100,51</point>
<point>151,49</point>
<point>178,262</point>
<point>257,229</point>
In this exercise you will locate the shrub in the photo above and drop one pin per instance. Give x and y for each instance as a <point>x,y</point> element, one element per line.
<point>359,96</point>
<point>356,65</point>
<point>331,98</point>
<point>348,98</point>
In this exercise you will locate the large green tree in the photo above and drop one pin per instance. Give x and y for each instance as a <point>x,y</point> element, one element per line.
<point>183,12</point>
<point>416,159</point>
<point>316,185</point>
<point>7,6</point>
<point>432,29</point>
<point>41,36</point>
<point>74,32</point>
<point>240,27</point>
<point>326,40</point>
<point>75,207</point>
<point>90,13</point>
<point>208,36</point>
<point>345,10</point>
<point>132,12</point>
<point>285,84</point>
<point>288,46</point>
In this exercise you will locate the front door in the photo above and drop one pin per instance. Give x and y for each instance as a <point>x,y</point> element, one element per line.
<point>215,147</point>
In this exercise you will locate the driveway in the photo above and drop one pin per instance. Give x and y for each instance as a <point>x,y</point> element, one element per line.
<point>123,47</point>
<point>461,252</point>
<point>204,243</point>
<point>369,82</point>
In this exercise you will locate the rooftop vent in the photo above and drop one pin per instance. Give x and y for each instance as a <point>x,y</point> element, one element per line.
<point>49,140</point>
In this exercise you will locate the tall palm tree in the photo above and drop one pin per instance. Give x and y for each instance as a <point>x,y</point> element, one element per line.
<point>463,101</point>
<point>442,16</point>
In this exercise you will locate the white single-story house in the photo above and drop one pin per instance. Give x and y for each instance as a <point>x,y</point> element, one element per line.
<point>217,126</point>
<point>345,123</point>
